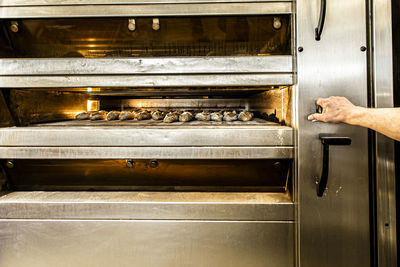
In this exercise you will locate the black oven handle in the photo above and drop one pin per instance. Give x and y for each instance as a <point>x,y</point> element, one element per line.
<point>328,140</point>
<point>321,22</point>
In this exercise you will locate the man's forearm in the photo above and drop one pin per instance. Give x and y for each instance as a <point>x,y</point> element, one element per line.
<point>383,120</point>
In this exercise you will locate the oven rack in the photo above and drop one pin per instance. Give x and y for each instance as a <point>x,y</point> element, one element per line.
<point>168,142</point>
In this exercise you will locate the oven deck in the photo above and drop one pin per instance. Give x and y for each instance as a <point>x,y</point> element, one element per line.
<point>147,140</point>
<point>159,123</point>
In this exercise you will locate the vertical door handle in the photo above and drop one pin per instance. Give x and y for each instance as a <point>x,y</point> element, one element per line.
<point>327,141</point>
<point>321,22</point>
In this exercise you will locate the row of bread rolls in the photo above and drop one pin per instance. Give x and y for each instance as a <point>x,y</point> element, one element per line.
<point>167,116</point>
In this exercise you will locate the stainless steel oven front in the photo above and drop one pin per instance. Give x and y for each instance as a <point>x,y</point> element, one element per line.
<point>210,187</point>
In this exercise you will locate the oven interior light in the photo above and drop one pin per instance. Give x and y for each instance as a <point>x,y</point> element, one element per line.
<point>93,105</point>
<point>89,89</point>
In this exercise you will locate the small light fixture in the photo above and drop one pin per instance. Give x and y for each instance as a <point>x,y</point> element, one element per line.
<point>93,105</point>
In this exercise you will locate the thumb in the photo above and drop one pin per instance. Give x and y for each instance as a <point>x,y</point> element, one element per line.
<point>316,116</point>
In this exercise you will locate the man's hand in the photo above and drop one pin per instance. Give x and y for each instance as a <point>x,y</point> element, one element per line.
<point>335,109</point>
<point>338,109</point>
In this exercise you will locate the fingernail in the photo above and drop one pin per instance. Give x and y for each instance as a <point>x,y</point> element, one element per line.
<point>311,117</point>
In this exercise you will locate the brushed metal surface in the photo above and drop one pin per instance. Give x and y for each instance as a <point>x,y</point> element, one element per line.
<point>147,206</point>
<point>225,152</point>
<point>107,2</point>
<point>181,65</point>
<point>142,10</point>
<point>145,243</point>
<point>384,147</point>
<point>104,136</point>
<point>146,80</point>
<point>334,229</point>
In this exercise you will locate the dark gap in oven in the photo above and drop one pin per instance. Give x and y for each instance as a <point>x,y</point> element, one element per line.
<point>177,37</point>
<point>247,175</point>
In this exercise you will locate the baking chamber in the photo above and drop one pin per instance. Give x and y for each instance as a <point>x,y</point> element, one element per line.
<point>155,179</point>
<point>193,36</point>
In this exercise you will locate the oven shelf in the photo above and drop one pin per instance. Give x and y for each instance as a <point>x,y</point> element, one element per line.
<point>138,205</point>
<point>138,8</point>
<point>195,124</point>
<point>105,140</point>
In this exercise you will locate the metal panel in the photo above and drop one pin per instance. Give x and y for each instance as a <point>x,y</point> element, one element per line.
<point>334,229</point>
<point>93,66</point>
<point>225,152</point>
<point>147,206</point>
<point>146,137</point>
<point>145,243</point>
<point>385,168</point>
<point>146,80</point>
<point>119,2</point>
<point>142,10</point>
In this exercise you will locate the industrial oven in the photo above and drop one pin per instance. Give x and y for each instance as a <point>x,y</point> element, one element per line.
<point>271,190</point>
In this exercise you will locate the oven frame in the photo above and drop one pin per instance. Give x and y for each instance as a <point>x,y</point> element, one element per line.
<point>304,220</point>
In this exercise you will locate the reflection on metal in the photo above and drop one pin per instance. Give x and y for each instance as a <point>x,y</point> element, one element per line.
<point>93,105</point>
<point>384,147</point>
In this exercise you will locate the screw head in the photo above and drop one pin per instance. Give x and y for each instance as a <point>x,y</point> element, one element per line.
<point>130,163</point>
<point>154,164</point>
<point>277,23</point>
<point>300,49</point>
<point>10,164</point>
<point>132,27</point>
<point>156,24</point>
<point>277,165</point>
<point>14,27</point>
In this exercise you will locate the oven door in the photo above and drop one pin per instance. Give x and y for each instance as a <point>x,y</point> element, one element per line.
<point>334,229</point>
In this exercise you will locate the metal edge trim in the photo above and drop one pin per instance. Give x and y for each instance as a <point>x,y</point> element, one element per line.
<point>146,152</point>
<point>178,9</point>
<point>145,80</point>
<point>121,66</point>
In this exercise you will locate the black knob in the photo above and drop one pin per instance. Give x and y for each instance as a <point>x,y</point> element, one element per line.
<point>300,49</point>
<point>363,48</point>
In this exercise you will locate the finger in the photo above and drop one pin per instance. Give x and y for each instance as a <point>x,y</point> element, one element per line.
<point>316,117</point>
<point>321,101</point>
<point>310,117</point>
